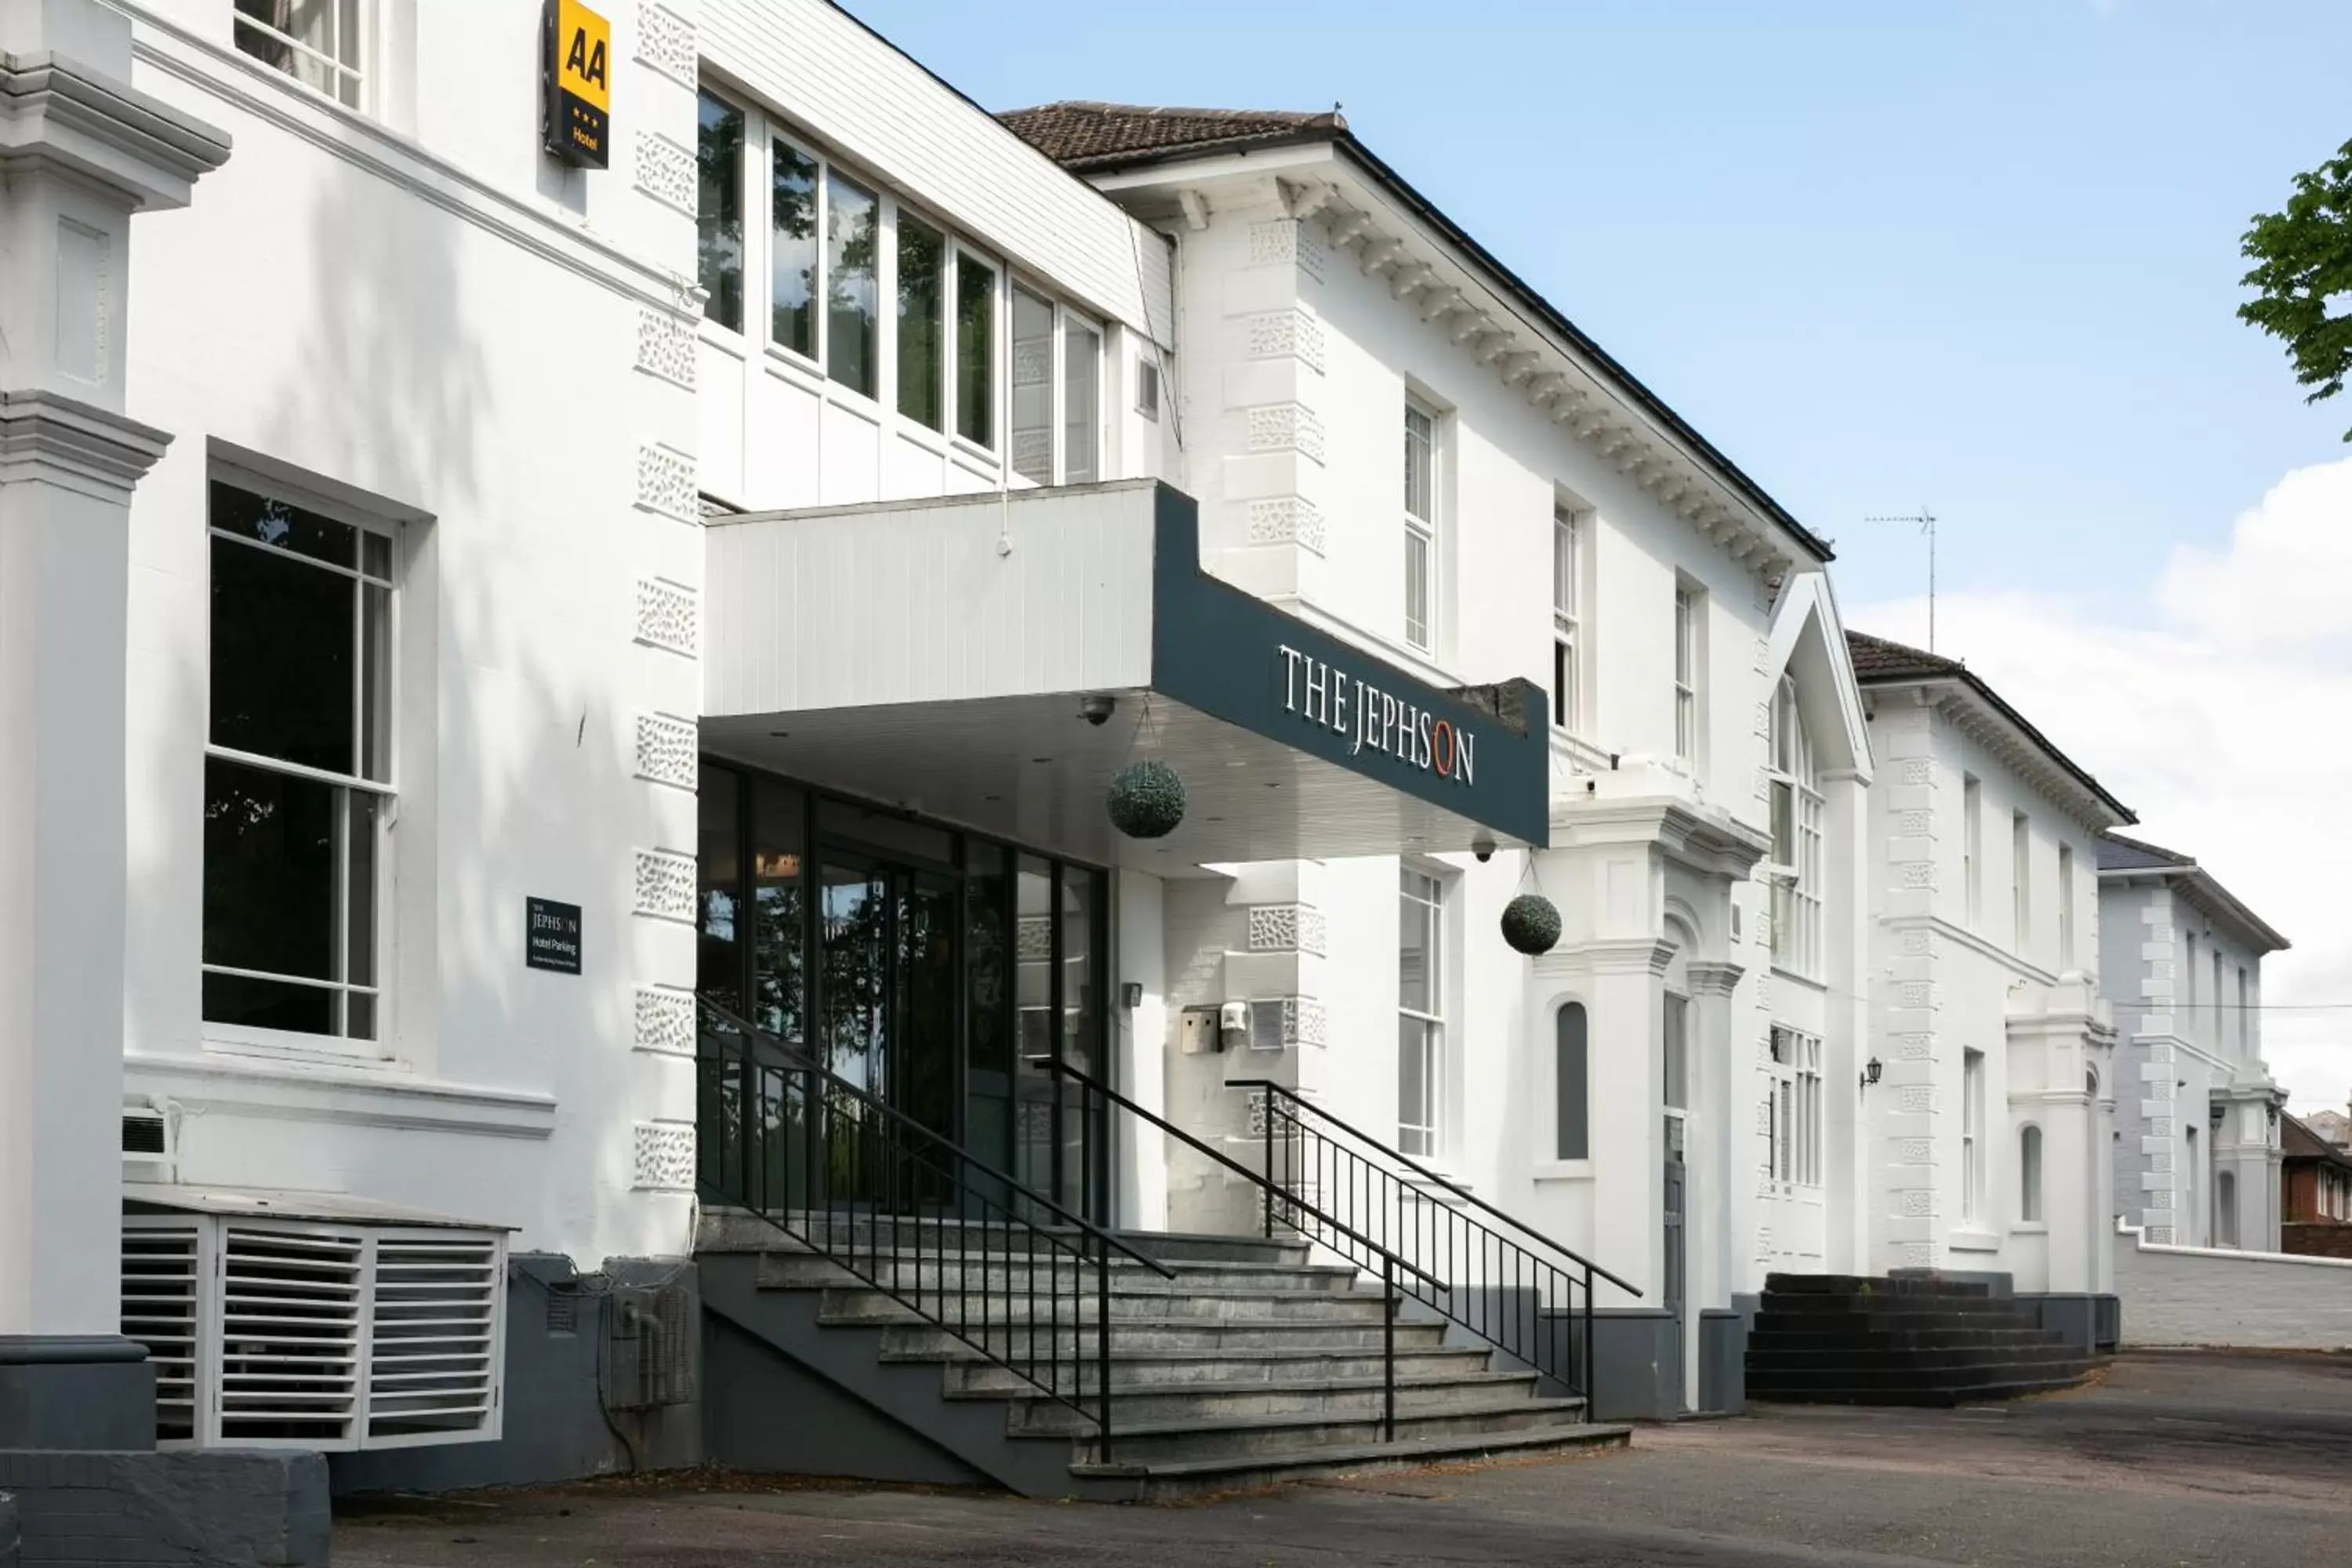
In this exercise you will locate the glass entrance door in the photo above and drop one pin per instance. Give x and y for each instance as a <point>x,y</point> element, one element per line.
<point>887,1011</point>
<point>942,973</point>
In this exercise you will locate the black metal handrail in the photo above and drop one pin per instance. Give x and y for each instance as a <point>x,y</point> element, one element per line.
<point>854,1179</point>
<point>1508,1294</point>
<point>1391,1264</point>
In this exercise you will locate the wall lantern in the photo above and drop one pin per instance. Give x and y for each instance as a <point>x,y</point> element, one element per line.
<point>1869,1071</point>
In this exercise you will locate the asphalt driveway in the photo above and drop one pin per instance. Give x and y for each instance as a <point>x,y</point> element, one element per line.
<point>2171,1460</point>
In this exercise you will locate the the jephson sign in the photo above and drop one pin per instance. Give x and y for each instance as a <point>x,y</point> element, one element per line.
<point>1373,720</point>
<point>578,70</point>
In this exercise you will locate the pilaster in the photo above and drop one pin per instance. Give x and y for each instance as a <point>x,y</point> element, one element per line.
<point>1906,1118</point>
<point>80,153</point>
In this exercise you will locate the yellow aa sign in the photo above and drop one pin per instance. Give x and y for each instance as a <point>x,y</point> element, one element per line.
<point>584,43</point>
<point>578,119</point>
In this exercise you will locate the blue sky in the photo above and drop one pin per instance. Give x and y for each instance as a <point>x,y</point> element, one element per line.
<point>1981,256</point>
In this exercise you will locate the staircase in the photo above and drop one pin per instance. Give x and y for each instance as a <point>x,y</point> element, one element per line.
<point>1827,1339</point>
<point>1249,1366</point>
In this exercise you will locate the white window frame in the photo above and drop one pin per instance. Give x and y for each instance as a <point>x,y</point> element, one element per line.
<point>1428,889</point>
<point>1972,849</point>
<point>385,791</point>
<point>2020,881</point>
<point>1421,532</point>
<point>1793,1111</point>
<point>1795,870</point>
<point>2066,955</point>
<point>762,131</point>
<point>1567,537</point>
<point>1057,380</point>
<point>336,62</point>
<point>1972,1149</point>
<point>1689,674</point>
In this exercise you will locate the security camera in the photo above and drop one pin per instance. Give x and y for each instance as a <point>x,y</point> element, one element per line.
<point>1483,847</point>
<point>1097,709</point>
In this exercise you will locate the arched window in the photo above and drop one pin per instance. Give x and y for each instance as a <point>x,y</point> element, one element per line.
<point>1570,1065</point>
<point>2029,1174</point>
<point>2225,1209</point>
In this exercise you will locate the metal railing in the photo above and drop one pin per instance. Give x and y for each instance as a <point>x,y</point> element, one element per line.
<point>1365,1252</point>
<point>1513,1291</point>
<point>906,1211</point>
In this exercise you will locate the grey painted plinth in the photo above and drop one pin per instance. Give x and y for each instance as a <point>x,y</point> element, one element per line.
<point>556,1427</point>
<point>82,1392</point>
<point>220,1508</point>
<point>1722,1361</point>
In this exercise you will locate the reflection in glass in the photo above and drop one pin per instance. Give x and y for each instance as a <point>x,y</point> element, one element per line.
<point>1032,387</point>
<point>718,945</point>
<point>791,250</point>
<point>1081,1005</point>
<point>988,1005</point>
<point>853,914</point>
<point>719,210</point>
<point>270,873</point>
<point>852,306</point>
<point>778,900</point>
<point>1081,405</point>
<point>922,325</point>
<point>975,351</point>
<point>1033,1022</point>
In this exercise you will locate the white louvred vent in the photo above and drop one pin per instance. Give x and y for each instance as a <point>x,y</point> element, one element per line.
<point>162,1283</point>
<point>289,1346</point>
<point>434,1371</point>
<point>297,1334</point>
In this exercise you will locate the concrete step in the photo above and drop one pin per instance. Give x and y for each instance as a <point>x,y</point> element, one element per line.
<point>913,1340</point>
<point>1084,1307</point>
<point>1223,1367</point>
<point>1981,1388</point>
<point>1761,1362</point>
<point>1170,1480</point>
<point>1765,1337</point>
<point>1810,1305</point>
<point>1165,1442</point>
<point>1174,1247</point>
<point>1876,1285</point>
<point>1333,1399</point>
<point>801,1271</point>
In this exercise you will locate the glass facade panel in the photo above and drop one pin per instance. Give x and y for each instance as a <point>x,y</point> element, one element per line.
<point>975,351</point>
<point>719,211</point>
<point>852,321</point>
<point>1081,404</point>
<point>1032,387</point>
<point>922,323</point>
<point>779,901</point>
<point>718,944</point>
<point>793,250</point>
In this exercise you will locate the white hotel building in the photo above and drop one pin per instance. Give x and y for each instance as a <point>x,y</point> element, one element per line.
<point>461,612</point>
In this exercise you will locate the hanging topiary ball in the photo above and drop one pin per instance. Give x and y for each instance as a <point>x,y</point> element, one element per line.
<point>1532,923</point>
<point>1147,800</point>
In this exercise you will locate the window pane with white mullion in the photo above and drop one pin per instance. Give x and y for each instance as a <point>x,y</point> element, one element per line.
<point>1420,520</point>
<point>1081,402</point>
<point>793,254</point>
<point>975,350</point>
<point>852,315</point>
<point>719,210</point>
<point>921,288</point>
<point>1420,1029</point>
<point>1567,606</point>
<point>1033,386</point>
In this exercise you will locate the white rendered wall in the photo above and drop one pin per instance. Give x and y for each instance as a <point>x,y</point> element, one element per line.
<point>484,351</point>
<point>1957,982</point>
<point>2200,1296</point>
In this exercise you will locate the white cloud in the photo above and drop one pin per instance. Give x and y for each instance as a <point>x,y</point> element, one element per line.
<point>2225,718</point>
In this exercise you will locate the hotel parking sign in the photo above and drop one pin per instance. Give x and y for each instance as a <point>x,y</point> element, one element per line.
<point>578,76</point>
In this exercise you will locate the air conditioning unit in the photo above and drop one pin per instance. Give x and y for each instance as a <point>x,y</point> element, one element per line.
<point>270,1333</point>
<point>150,1152</point>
